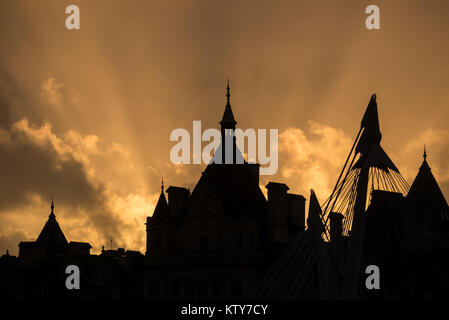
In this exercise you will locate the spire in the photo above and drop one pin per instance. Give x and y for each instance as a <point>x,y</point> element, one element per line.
<point>425,195</point>
<point>371,135</point>
<point>314,221</point>
<point>161,209</point>
<point>228,121</point>
<point>424,165</point>
<point>52,207</point>
<point>52,234</point>
<point>228,95</point>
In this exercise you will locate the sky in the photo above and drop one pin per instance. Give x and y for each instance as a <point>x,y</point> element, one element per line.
<point>86,115</point>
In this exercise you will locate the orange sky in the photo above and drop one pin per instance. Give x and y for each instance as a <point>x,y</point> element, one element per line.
<point>86,115</point>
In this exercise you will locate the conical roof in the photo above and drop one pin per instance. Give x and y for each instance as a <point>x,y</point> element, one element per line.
<point>228,120</point>
<point>426,198</point>
<point>235,184</point>
<point>314,221</point>
<point>51,234</point>
<point>228,116</point>
<point>217,158</point>
<point>162,210</point>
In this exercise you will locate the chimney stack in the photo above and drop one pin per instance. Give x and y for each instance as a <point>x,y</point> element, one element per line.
<point>277,224</point>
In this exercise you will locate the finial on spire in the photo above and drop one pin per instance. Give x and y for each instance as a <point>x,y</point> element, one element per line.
<point>228,95</point>
<point>162,185</point>
<point>425,153</point>
<point>52,207</point>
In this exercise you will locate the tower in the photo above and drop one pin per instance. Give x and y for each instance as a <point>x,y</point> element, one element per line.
<point>426,199</point>
<point>227,124</point>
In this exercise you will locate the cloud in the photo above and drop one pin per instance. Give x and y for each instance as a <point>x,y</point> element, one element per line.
<point>52,91</point>
<point>101,193</point>
<point>98,192</point>
<point>311,158</point>
<point>9,240</point>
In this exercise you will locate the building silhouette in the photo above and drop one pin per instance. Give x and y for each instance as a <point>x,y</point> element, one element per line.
<point>218,240</point>
<point>371,219</point>
<point>38,272</point>
<point>225,240</point>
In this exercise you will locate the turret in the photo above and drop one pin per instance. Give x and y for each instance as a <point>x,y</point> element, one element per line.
<point>227,124</point>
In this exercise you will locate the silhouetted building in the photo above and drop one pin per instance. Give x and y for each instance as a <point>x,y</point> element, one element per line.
<point>218,240</point>
<point>371,223</point>
<point>114,274</point>
<point>43,262</point>
<point>429,206</point>
<point>10,280</point>
<point>407,238</point>
<point>226,240</point>
<point>39,270</point>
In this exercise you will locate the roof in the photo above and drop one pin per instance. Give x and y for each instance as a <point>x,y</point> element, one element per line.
<point>296,196</point>
<point>228,116</point>
<point>218,154</point>
<point>161,210</point>
<point>228,121</point>
<point>24,244</point>
<point>426,198</point>
<point>177,189</point>
<point>277,185</point>
<point>235,184</point>
<point>80,244</point>
<point>314,221</point>
<point>51,234</point>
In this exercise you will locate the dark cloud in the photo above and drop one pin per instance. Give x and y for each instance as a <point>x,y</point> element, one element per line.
<point>8,90</point>
<point>27,168</point>
<point>30,169</point>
